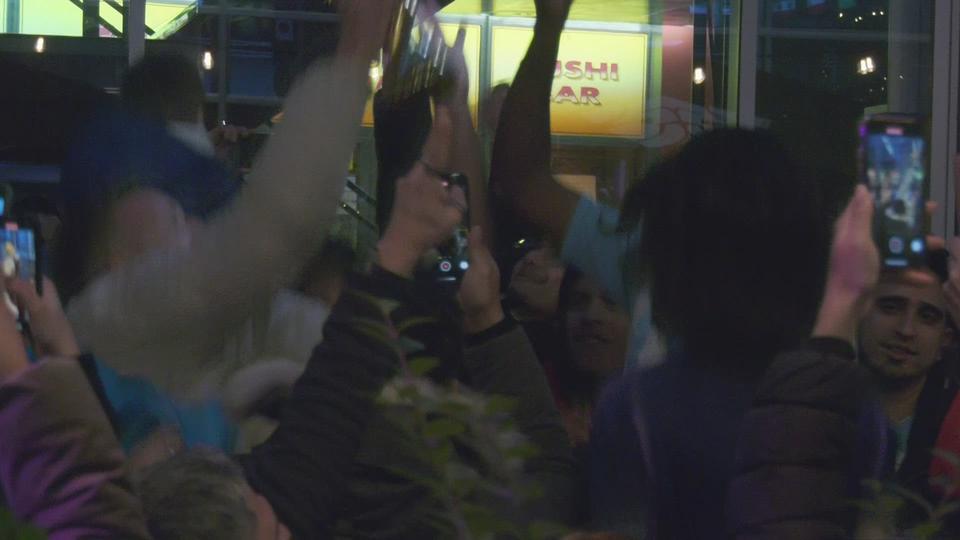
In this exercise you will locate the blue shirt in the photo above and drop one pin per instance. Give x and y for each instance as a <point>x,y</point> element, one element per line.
<point>140,408</point>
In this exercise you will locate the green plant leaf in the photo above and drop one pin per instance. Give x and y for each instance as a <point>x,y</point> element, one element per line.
<point>915,498</point>
<point>483,521</point>
<point>410,346</point>
<point>376,331</point>
<point>546,530</point>
<point>500,405</point>
<point>423,366</point>
<point>925,530</point>
<point>443,427</point>
<point>413,322</point>
<point>13,529</point>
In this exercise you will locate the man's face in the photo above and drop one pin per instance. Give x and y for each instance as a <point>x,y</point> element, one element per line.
<point>904,330</point>
<point>597,330</point>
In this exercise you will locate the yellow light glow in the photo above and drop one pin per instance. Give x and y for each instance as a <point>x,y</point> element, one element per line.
<point>600,83</point>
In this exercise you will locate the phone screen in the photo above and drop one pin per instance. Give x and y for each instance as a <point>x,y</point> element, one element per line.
<point>454,255</point>
<point>895,170</point>
<point>18,259</point>
<point>19,255</point>
<point>454,258</point>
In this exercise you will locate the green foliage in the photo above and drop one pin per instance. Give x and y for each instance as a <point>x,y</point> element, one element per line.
<point>473,455</point>
<point>886,510</point>
<point>11,529</point>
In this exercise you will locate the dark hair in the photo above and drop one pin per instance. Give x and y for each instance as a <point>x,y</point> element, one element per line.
<point>734,245</point>
<point>164,87</point>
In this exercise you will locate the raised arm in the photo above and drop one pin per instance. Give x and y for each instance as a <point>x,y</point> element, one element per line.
<point>520,172</point>
<point>500,360</point>
<point>307,459</point>
<point>453,114</point>
<point>61,467</point>
<point>195,294</point>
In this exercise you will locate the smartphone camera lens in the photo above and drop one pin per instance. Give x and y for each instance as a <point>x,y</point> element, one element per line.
<point>445,266</point>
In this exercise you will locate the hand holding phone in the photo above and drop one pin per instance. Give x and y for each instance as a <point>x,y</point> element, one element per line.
<point>454,256</point>
<point>18,260</point>
<point>894,158</point>
<point>50,331</point>
<point>479,292</point>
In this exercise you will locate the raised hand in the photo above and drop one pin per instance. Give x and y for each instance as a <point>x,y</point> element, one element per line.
<point>364,25</point>
<point>853,271</point>
<point>479,293</point>
<point>13,355</point>
<point>456,92</point>
<point>553,11</point>
<point>426,211</point>
<point>51,331</point>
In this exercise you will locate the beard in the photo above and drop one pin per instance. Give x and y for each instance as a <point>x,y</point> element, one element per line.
<point>891,377</point>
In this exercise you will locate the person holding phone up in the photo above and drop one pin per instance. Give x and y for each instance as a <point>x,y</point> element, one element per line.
<point>62,469</point>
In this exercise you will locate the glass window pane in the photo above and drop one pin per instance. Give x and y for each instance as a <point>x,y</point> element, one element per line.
<point>635,79</point>
<point>824,65</point>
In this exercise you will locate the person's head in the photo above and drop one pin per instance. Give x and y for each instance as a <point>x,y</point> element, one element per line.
<point>596,327</point>
<point>905,328</point>
<point>535,282</point>
<point>166,88</point>
<point>203,495</point>
<point>143,220</point>
<point>734,245</point>
<point>324,275</point>
<point>116,228</point>
<point>125,160</point>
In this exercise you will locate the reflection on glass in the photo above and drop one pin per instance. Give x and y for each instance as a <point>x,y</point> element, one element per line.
<point>825,65</point>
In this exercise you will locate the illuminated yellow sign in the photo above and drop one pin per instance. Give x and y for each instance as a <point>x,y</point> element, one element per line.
<point>61,18</point>
<point>600,81</point>
<point>471,52</point>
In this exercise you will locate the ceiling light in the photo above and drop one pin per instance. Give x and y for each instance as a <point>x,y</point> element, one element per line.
<point>699,76</point>
<point>207,60</point>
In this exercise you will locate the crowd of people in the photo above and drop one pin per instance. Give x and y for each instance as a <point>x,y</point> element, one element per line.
<point>721,357</point>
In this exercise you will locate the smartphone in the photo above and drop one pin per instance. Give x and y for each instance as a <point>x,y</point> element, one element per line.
<point>894,165</point>
<point>20,246</point>
<point>454,256</point>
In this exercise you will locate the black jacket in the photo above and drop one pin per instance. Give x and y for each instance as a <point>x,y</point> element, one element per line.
<point>328,469</point>
<point>813,432</point>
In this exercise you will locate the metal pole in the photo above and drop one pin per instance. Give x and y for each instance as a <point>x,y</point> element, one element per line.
<point>223,54</point>
<point>13,17</point>
<point>91,18</point>
<point>943,124</point>
<point>135,23</point>
<point>749,36</point>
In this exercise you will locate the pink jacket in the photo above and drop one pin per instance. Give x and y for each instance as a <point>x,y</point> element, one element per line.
<point>61,467</point>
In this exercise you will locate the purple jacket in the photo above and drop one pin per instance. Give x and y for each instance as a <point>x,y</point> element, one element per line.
<point>61,467</point>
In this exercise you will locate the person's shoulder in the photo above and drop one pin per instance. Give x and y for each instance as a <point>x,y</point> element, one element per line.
<point>635,384</point>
